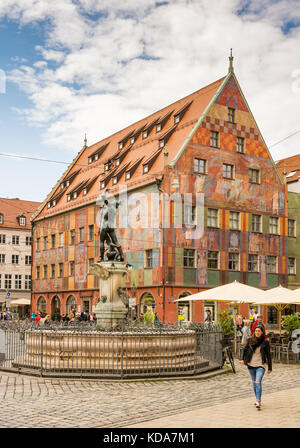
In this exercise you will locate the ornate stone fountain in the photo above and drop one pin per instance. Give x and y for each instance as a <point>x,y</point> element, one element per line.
<point>110,310</point>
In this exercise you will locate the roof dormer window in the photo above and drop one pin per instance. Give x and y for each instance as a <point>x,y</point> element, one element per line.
<point>117,162</point>
<point>96,157</point>
<point>161,143</point>
<point>145,134</point>
<point>68,183</point>
<point>75,195</point>
<point>85,192</point>
<point>90,160</point>
<point>158,127</point>
<point>106,167</point>
<point>132,140</point>
<point>115,180</point>
<point>176,119</point>
<point>22,221</point>
<point>127,177</point>
<point>62,186</point>
<point>54,203</point>
<point>49,204</point>
<point>103,185</point>
<point>68,197</point>
<point>146,168</point>
<point>1,218</point>
<point>121,145</point>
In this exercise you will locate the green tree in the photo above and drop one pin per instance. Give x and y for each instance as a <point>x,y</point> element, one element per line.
<point>226,322</point>
<point>148,318</point>
<point>290,323</point>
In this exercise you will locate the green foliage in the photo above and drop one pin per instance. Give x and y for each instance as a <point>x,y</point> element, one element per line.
<point>56,317</point>
<point>148,318</point>
<point>290,323</point>
<point>226,323</point>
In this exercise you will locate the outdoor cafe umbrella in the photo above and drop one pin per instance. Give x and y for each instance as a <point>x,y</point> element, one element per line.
<point>280,298</point>
<point>235,292</point>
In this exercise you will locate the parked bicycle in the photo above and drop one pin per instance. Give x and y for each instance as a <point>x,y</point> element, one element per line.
<point>227,356</point>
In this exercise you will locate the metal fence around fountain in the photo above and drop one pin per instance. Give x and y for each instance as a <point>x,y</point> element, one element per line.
<point>85,351</point>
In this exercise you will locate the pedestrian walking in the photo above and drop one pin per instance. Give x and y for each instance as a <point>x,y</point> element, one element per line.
<point>258,323</point>
<point>37,319</point>
<point>239,323</point>
<point>246,332</point>
<point>255,356</point>
<point>208,317</point>
<point>156,319</point>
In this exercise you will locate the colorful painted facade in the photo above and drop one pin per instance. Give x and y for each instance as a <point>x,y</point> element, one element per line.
<point>204,205</point>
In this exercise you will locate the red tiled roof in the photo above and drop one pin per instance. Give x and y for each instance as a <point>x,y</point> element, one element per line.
<point>11,209</point>
<point>291,166</point>
<point>193,107</point>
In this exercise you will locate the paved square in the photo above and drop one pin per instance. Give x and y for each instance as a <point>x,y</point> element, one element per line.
<point>218,401</point>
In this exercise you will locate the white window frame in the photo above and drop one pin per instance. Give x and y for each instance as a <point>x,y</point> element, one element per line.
<point>209,224</point>
<point>214,138</point>
<point>252,262</point>
<point>294,227</point>
<point>188,256</point>
<point>15,259</point>
<point>231,115</point>
<point>293,267</point>
<point>238,261</point>
<point>232,170</point>
<point>240,145</point>
<point>260,223</point>
<point>213,259</point>
<point>272,225</point>
<point>276,264</point>
<point>233,220</point>
<point>148,261</point>
<point>201,165</point>
<point>257,173</point>
<point>22,221</point>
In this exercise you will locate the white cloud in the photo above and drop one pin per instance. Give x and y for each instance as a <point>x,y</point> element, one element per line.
<point>135,58</point>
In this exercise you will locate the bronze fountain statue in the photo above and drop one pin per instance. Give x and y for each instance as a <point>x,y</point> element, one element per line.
<point>107,232</point>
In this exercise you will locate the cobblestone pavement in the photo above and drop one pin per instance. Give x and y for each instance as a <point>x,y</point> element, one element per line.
<point>27,402</point>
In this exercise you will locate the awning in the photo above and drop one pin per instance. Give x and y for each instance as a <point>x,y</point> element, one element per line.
<point>20,302</point>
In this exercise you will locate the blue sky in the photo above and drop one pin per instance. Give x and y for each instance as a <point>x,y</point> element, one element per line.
<point>96,66</point>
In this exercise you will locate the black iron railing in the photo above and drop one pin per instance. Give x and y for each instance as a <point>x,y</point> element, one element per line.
<point>130,351</point>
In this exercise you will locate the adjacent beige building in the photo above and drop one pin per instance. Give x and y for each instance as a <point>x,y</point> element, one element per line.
<point>15,254</point>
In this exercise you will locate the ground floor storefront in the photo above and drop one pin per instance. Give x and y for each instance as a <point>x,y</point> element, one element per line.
<point>161,300</point>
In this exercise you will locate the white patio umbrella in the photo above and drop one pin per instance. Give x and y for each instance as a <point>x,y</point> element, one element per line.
<point>296,294</point>
<point>235,292</point>
<point>280,298</point>
<point>231,292</point>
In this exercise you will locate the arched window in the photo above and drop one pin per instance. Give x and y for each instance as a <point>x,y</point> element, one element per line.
<point>146,301</point>
<point>55,304</point>
<point>70,304</point>
<point>184,310</point>
<point>42,304</point>
<point>1,218</point>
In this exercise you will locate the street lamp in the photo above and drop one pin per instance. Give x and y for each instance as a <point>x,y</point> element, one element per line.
<point>133,292</point>
<point>56,299</point>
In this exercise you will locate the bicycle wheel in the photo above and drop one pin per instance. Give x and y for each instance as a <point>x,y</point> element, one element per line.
<point>231,360</point>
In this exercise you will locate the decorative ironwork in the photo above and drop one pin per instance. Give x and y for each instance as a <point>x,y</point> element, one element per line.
<point>130,351</point>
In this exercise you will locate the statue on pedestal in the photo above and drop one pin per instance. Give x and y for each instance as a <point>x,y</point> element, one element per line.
<point>107,232</point>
